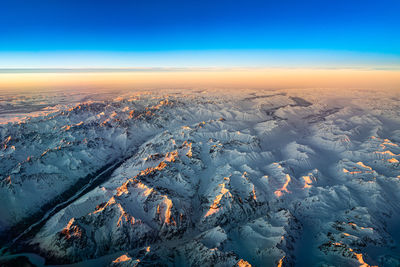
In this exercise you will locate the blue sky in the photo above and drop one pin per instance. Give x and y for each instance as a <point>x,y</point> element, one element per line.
<point>124,33</point>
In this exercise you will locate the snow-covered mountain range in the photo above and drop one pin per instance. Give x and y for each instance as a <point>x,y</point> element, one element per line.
<point>201,178</point>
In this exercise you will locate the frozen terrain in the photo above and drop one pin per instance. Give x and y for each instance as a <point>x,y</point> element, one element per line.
<point>17,105</point>
<point>200,178</point>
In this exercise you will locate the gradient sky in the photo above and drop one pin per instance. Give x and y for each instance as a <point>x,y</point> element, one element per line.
<point>152,33</point>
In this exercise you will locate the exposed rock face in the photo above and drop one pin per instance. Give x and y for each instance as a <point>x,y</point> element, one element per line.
<point>285,179</point>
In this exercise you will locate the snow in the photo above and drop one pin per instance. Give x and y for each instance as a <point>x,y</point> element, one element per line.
<point>219,179</point>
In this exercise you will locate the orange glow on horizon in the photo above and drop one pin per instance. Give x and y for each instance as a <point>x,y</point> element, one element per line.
<point>234,78</point>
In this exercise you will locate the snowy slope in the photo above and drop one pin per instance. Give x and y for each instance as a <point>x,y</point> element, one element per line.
<point>302,177</point>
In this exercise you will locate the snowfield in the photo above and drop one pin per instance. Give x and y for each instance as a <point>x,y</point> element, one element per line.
<point>305,177</point>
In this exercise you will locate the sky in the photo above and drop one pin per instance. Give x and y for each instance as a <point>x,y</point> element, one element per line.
<point>104,31</point>
<point>161,35</point>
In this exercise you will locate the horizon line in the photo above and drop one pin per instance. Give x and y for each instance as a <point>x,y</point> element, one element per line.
<point>180,69</point>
